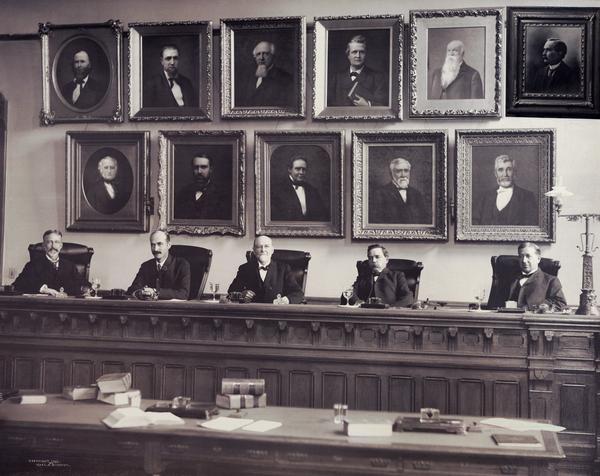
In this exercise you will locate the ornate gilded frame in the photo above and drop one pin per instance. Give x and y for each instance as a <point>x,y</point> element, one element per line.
<point>131,149</point>
<point>272,152</point>
<point>103,40</point>
<point>476,150</point>
<point>228,151</point>
<point>372,152</point>
<point>528,28</point>
<point>325,28</point>
<point>250,31</point>
<point>194,36</point>
<point>426,25</point>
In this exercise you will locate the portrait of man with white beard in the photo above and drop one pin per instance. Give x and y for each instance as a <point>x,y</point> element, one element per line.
<point>455,79</point>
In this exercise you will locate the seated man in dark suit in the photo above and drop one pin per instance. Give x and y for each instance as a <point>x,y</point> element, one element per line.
<point>50,275</point>
<point>509,204</point>
<point>203,198</point>
<point>269,86</point>
<point>381,282</point>
<point>169,88</point>
<point>534,287</point>
<point>397,201</point>
<point>266,280</point>
<point>295,199</point>
<point>359,85</point>
<point>83,91</point>
<point>163,277</point>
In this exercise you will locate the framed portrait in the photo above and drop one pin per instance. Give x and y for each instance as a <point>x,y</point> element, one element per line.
<point>553,62</point>
<point>81,73</point>
<point>455,63</point>
<point>399,188</point>
<point>107,181</point>
<point>299,183</point>
<point>170,71</point>
<point>201,182</point>
<point>501,178</point>
<point>262,67</point>
<point>357,68</point>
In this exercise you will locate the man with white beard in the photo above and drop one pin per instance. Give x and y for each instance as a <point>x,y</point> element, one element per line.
<point>455,79</point>
<point>270,85</point>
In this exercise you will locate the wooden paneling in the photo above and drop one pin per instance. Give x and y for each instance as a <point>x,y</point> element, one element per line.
<point>53,375</point>
<point>82,372</point>
<point>301,392</point>
<point>204,384</point>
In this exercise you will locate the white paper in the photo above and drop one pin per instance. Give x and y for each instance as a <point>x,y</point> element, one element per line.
<point>521,425</point>
<point>261,426</point>
<point>225,423</point>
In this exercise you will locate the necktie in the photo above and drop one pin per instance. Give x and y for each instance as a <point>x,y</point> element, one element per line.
<point>171,81</point>
<point>353,76</point>
<point>55,265</point>
<point>158,267</point>
<point>77,90</point>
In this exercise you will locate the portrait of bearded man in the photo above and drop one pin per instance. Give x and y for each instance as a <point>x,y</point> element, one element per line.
<point>83,91</point>
<point>455,79</point>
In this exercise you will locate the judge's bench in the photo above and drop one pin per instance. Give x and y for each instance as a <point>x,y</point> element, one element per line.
<point>540,366</point>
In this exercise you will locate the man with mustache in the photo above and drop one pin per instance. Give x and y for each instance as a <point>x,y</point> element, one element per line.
<point>263,279</point>
<point>270,85</point>
<point>83,92</point>
<point>169,88</point>
<point>203,198</point>
<point>397,201</point>
<point>555,77</point>
<point>163,277</point>
<point>377,280</point>
<point>106,194</point>
<point>508,204</point>
<point>455,79</point>
<point>358,85</point>
<point>49,274</point>
<point>295,199</point>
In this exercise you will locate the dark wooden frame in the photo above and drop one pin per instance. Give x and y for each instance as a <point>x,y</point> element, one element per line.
<point>107,38</point>
<point>519,101</point>
<point>80,214</point>
<point>362,228</point>
<point>3,145</point>
<point>229,28</point>
<point>420,22</point>
<point>201,111</point>
<point>332,143</point>
<point>544,140</point>
<point>323,26</point>
<point>168,141</point>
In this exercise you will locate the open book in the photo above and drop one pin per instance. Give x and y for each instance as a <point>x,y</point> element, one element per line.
<point>130,417</point>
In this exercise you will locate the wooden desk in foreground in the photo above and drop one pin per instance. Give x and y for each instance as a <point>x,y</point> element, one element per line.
<point>64,435</point>
<point>398,360</point>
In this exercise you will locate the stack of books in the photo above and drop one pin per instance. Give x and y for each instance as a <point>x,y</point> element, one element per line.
<point>80,392</point>
<point>242,393</point>
<point>115,389</point>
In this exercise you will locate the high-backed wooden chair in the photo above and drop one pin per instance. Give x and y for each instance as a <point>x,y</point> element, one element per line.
<point>200,260</point>
<point>297,260</point>
<point>411,269</point>
<point>505,268</point>
<point>79,255</point>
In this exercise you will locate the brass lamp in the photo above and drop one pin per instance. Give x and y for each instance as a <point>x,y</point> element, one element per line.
<point>587,298</point>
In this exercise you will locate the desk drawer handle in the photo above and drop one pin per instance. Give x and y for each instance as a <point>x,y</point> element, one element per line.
<point>178,448</point>
<point>508,469</point>
<point>257,454</point>
<point>422,465</point>
<point>296,457</point>
<point>380,462</point>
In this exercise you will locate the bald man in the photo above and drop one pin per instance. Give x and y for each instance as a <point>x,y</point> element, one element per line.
<point>455,79</point>
<point>262,278</point>
<point>106,194</point>
<point>164,276</point>
<point>83,92</point>
<point>397,201</point>
<point>270,85</point>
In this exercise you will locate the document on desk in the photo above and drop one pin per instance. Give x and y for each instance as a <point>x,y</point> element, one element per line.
<point>521,425</point>
<point>260,426</point>
<point>225,423</point>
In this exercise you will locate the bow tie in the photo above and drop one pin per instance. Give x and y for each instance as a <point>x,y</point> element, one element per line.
<point>376,273</point>
<point>296,183</point>
<point>503,190</point>
<point>353,75</point>
<point>79,81</point>
<point>264,268</point>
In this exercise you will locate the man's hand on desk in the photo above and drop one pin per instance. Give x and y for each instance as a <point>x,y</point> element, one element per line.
<point>248,295</point>
<point>52,292</point>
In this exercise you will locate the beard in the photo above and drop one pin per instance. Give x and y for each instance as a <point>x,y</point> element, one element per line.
<point>402,183</point>
<point>200,182</point>
<point>81,73</point>
<point>450,70</point>
<point>262,70</point>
